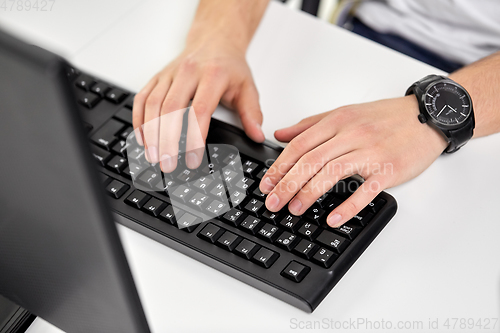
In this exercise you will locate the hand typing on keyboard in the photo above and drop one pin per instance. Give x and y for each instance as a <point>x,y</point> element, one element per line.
<point>381,141</point>
<point>211,69</point>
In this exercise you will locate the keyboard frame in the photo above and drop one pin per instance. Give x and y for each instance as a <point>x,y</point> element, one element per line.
<point>306,295</point>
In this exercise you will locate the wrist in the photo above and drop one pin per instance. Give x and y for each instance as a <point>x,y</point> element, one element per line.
<point>205,33</point>
<point>427,135</point>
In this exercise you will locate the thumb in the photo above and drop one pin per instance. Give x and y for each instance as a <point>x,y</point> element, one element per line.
<point>248,107</point>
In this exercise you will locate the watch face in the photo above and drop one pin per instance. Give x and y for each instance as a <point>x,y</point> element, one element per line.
<point>447,103</point>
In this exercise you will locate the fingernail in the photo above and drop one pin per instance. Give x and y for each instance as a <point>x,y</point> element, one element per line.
<point>272,202</point>
<point>266,185</point>
<point>295,206</point>
<point>334,220</point>
<point>192,161</point>
<point>167,163</point>
<point>153,154</point>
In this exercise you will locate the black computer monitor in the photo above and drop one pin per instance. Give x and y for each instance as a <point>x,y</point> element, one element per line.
<point>60,253</point>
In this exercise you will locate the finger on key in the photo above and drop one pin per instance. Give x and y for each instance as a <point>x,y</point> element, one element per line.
<point>152,121</point>
<point>248,107</point>
<point>322,182</point>
<point>138,108</point>
<point>177,99</point>
<point>306,168</point>
<point>205,101</point>
<point>300,145</point>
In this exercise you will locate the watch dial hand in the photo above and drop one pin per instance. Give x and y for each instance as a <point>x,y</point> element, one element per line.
<point>444,107</point>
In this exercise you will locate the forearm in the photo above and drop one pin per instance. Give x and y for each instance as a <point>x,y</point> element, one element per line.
<point>235,21</point>
<point>482,81</point>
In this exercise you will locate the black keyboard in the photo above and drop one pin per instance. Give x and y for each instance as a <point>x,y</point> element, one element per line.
<point>216,213</point>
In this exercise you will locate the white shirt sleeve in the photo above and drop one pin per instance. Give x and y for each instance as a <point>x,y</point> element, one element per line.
<point>458,30</point>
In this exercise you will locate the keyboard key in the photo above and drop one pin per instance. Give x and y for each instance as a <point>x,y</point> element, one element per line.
<point>332,241</point>
<point>116,189</point>
<point>84,82</point>
<point>89,100</point>
<point>120,148</point>
<point>269,232</point>
<point>376,205</point>
<point>261,173</point>
<point>105,136</point>
<point>236,197</point>
<point>245,183</point>
<point>136,155</point>
<point>100,88</point>
<point>305,249</point>
<point>188,222</point>
<point>182,193</point>
<point>117,164</point>
<point>229,176</point>
<point>246,249</point>
<point>324,257</point>
<point>344,188</point>
<point>102,156</point>
<point>105,179</point>
<point>135,170</point>
<point>126,132</point>
<point>154,206</point>
<point>229,158</point>
<point>130,102</point>
<point>228,241</point>
<point>254,206</point>
<point>72,73</point>
<point>170,214</point>
<point>137,199</point>
<point>234,217</point>
<point>272,217</point>
<point>124,115</point>
<point>186,175</point>
<point>211,233</point>
<point>219,190</point>
<point>150,177</point>
<point>315,214</point>
<point>251,224</point>
<point>203,183</point>
<point>217,208</point>
<point>309,230</point>
<point>334,203</point>
<point>166,185</point>
<point>348,231</point>
<point>291,222</point>
<point>287,240</point>
<point>265,257</point>
<point>362,218</point>
<point>322,200</point>
<point>295,271</point>
<point>215,154</point>
<point>250,167</point>
<point>199,200</point>
<point>258,193</point>
<point>116,95</point>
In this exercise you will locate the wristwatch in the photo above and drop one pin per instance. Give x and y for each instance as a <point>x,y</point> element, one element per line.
<point>447,107</point>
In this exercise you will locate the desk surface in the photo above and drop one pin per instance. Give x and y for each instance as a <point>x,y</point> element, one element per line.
<point>437,259</point>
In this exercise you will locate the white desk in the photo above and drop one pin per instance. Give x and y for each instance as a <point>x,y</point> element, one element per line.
<point>437,259</point>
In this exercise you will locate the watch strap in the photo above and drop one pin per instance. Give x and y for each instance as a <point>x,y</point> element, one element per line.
<point>459,137</point>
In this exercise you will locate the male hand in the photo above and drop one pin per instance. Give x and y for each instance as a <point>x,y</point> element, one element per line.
<point>209,70</point>
<point>382,141</point>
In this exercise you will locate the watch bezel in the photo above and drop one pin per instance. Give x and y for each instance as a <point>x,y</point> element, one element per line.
<point>434,121</point>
